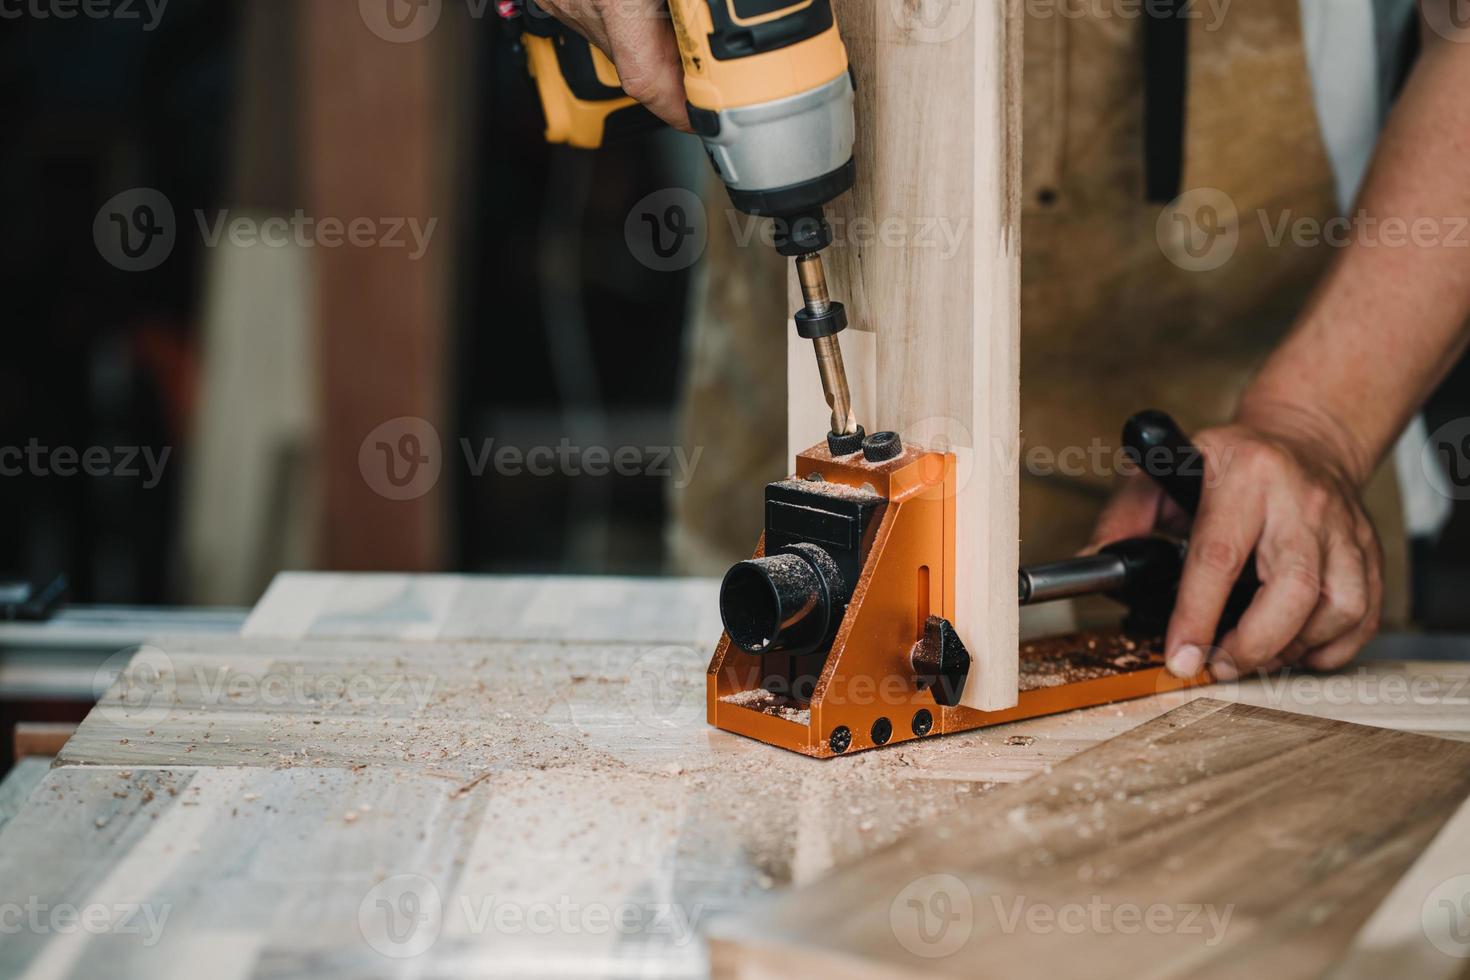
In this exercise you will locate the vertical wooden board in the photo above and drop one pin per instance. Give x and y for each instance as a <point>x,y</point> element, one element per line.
<point>927,260</point>
<point>378,118</point>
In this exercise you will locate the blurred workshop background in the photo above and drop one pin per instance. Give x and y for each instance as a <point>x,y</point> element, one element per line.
<point>267,372</point>
<point>273,376</point>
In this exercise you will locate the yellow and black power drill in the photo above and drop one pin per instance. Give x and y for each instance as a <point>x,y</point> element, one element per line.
<point>770,94</point>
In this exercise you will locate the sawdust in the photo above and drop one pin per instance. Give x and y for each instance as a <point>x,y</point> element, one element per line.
<point>606,744</point>
<point>768,703</point>
<point>829,488</point>
<point>1086,656</point>
<point>822,453</point>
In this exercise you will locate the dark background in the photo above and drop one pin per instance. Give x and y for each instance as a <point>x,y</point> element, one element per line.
<point>98,357</point>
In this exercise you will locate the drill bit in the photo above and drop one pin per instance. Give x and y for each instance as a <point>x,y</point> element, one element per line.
<point>813,278</point>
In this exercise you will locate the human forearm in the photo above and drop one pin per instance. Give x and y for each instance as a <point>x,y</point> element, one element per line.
<point>1283,482</point>
<point>1389,319</point>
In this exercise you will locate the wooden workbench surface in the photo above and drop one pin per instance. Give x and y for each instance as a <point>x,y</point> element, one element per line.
<point>501,776</point>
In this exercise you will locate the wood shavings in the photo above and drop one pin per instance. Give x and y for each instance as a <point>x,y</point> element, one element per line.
<point>1085,656</point>
<point>770,704</point>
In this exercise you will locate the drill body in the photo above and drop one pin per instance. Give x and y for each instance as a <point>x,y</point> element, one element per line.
<point>770,94</point>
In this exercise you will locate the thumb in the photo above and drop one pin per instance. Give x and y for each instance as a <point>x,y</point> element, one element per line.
<point>643,48</point>
<point>1131,513</point>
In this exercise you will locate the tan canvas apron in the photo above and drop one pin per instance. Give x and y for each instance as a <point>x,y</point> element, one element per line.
<point>1109,323</point>
<point>1117,314</point>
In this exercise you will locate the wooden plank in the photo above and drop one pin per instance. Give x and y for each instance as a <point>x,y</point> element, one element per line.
<point>1218,840</point>
<point>196,873</point>
<point>16,787</point>
<point>382,316</point>
<point>602,791</point>
<point>249,499</point>
<point>928,263</point>
<point>40,738</point>
<point>509,761</point>
<point>468,707</point>
<point>444,607</point>
<point>1420,929</point>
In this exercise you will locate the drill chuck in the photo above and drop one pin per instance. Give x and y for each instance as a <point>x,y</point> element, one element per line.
<point>785,157</point>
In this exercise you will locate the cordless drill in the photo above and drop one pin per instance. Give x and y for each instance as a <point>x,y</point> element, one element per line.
<point>770,94</point>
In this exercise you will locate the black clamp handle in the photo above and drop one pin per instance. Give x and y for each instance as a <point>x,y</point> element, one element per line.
<point>1154,442</point>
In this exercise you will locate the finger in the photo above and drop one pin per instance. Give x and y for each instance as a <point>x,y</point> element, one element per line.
<point>642,46</point>
<point>1344,600</point>
<point>1290,566</point>
<point>1131,512</point>
<point>1343,649</point>
<point>582,17</point>
<point>1224,534</point>
<point>1294,652</point>
<point>1337,653</point>
<point>1172,518</point>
